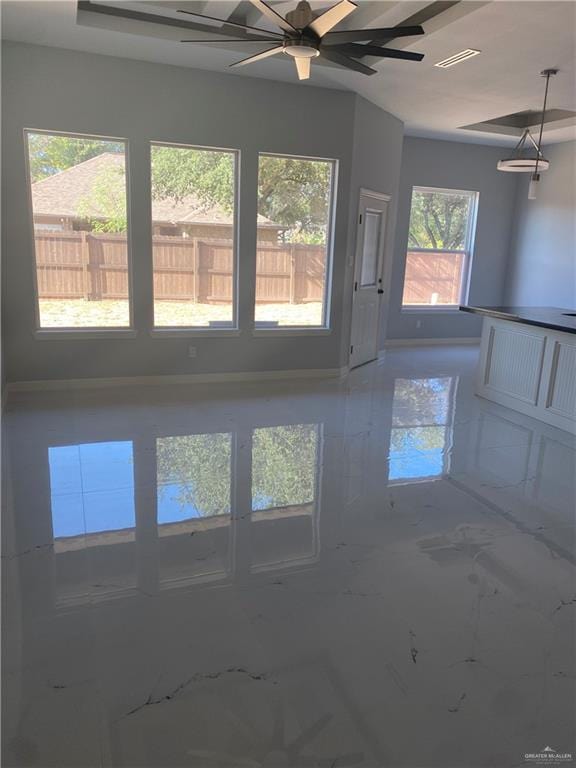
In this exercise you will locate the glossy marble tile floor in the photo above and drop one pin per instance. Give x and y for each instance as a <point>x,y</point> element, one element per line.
<point>371,572</point>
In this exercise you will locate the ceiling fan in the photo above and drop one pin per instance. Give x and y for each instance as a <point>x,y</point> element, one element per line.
<point>305,37</point>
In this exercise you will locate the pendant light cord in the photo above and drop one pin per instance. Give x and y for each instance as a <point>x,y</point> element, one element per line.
<point>547,72</point>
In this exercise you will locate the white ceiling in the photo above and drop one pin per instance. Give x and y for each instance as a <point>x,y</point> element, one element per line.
<point>517,39</point>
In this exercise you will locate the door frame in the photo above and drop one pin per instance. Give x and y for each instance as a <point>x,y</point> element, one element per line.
<point>386,198</point>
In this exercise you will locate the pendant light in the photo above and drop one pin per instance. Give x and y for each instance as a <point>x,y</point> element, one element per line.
<point>534,163</point>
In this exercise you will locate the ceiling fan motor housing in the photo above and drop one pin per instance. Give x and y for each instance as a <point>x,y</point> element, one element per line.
<point>301,16</point>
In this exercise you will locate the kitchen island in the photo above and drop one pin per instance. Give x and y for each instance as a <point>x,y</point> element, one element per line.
<point>528,361</point>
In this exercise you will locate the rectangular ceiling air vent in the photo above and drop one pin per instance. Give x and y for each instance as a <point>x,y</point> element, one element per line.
<point>457,58</point>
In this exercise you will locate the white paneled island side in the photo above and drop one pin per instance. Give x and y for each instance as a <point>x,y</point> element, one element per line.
<point>528,361</point>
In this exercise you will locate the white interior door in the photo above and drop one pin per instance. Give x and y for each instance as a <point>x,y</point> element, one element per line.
<point>368,266</point>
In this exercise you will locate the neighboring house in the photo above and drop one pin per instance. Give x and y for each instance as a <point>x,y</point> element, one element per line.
<point>68,200</point>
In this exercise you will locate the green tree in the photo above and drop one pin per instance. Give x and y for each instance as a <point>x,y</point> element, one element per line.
<point>178,172</point>
<point>50,153</point>
<point>407,439</point>
<point>419,414</point>
<point>284,466</point>
<point>438,220</point>
<point>104,208</point>
<point>200,466</point>
<point>296,194</point>
<point>291,192</point>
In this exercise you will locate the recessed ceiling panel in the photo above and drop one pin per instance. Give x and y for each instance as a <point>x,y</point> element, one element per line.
<point>514,124</point>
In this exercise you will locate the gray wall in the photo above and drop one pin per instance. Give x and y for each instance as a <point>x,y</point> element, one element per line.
<point>53,89</point>
<point>376,163</point>
<point>454,165</point>
<point>542,267</point>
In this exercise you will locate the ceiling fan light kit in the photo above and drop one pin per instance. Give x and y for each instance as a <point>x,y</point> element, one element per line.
<point>301,49</point>
<point>305,37</point>
<point>519,162</point>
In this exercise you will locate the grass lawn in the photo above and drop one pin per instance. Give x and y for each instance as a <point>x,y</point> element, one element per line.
<point>71,313</point>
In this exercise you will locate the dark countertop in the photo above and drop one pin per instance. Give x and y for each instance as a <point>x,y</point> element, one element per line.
<point>544,317</point>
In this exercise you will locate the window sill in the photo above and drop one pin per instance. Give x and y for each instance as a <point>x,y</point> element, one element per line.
<point>185,333</point>
<point>288,331</point>
<point>432,309</point>
<point>79,334</point>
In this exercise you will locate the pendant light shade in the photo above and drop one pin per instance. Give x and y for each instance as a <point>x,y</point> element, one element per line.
<point>520,162</point>
<point>533,186</point>
<point>527,156</point>
<point>522,165</point>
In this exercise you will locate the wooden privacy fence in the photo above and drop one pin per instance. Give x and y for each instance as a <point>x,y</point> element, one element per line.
<point>76,265</point>
<point>95,266</point>
<point>433,278</point>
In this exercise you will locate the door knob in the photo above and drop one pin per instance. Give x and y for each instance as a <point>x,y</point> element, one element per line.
<point>380,290</point>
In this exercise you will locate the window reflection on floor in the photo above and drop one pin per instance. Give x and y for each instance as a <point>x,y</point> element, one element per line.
<point>185,531</point>
<point>92,488</point>
<point>284,495</point>
<point>193,476</point>
<point>92,502</point>
<point>421,421</point>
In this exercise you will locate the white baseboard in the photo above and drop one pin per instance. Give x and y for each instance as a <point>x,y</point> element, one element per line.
<point>430,342</point>
<point>186,378</point>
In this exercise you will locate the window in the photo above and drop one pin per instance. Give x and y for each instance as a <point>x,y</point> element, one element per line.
<point>79,207</point>
<point>193,237</point>
<point>439,253</point>
<point>370,248</point>
<point>295,208</point>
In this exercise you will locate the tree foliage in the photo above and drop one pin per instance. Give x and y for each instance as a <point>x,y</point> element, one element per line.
<point>438,220</point>
<point>178,172</point>
<point>294,193</point>
<point>291,192</point>
<point>429,400</point>
<point>50,153</point>
<point>105,207</point>
<point>200,466</point>
<point>284,466</point>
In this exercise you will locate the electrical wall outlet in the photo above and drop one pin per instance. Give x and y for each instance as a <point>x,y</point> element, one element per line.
<point>418,323</point>
<point>191,351</point>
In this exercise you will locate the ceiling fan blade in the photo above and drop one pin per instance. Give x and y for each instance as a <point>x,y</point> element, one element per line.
<point>169,21</point>
<point>258,56</point>
<point>344,61</point>
<point>380,33</point>
<point>234,40</point>
<point>271,14</point>
<point>357,49</point>
<point>324,23</point>
<point>227,23</point>
<point>303,68</point>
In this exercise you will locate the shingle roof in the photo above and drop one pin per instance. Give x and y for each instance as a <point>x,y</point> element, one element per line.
<point>69,193</point>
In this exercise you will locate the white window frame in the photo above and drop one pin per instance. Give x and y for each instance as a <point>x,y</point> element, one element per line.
<point>183,331</point>
<point>88,331</point>
<point>468,251</point>
<point>308,330</point>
